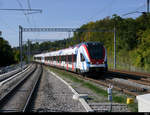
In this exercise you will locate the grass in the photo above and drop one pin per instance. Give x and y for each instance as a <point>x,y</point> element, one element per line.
<point>133,107</point>
<point>94,88</point>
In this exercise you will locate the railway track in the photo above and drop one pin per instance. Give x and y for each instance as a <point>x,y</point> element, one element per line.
<point>11,73</point>
<point>107,79</point>
<point>142,79</point>
<point>122,86</point>
<point>146,75</point>
<point>18,97</point>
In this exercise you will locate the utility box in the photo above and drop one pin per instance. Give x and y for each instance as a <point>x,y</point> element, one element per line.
<point>143,103</point>
<point>130,100</point>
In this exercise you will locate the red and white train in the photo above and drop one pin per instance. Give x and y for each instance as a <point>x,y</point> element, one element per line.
<point>86,57</point>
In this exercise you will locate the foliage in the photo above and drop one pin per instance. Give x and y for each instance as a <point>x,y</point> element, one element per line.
<point>16,55</point>
<point>143,50</point>
<point>6,53</point>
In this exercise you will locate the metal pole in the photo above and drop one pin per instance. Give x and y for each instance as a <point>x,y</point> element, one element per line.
<point>114,47</point>
<point>20,39</point>
<point>28,51</point>
<point>19,44</point>
<point>147,6</point>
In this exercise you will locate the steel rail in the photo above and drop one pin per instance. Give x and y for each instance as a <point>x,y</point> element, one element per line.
<point>11,76</point>
<point>131,73</point>
<point>11,73</point>
<point>10,92</point>
<point>32,92</point>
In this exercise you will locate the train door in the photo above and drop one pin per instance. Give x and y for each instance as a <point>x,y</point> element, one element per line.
<point>78,62</point>
<point>81,63</point>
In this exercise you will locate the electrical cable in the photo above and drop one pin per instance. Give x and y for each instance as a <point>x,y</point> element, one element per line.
<point>23,11</point>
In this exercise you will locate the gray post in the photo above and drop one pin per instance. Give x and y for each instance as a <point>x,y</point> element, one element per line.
<point>20,43</point>
<point>109,91</point>
<point>147,6</point>
<point>28,51</point>
<point>114,47</point>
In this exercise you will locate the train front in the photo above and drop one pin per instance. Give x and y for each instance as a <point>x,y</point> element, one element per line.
<point>97,57</point>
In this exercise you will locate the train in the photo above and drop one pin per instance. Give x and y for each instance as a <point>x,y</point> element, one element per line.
<point>82,58</point>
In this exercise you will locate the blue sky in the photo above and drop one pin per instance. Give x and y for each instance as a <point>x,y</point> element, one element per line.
<point>60,13</point>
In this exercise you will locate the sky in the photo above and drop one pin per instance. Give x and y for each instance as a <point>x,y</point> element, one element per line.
<point>59,14</point>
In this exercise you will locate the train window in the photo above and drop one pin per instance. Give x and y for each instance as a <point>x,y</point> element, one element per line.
<point>46,58</point>
<point>57,58</point>
<point>69,58</point>
<point>82,57</point>
<point>74,58</point>
<point>95,50</point>
<point>65,58</point>
<point>54,57</point>
<point>62,58</point>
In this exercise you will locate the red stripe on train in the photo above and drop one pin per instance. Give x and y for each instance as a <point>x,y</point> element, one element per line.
<point>72,63</point>
<point>87,51</point>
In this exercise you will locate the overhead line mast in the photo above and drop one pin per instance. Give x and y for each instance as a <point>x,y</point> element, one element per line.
<point>147,6</point>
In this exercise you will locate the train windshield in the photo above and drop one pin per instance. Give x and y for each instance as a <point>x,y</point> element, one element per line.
<point>95,50</point>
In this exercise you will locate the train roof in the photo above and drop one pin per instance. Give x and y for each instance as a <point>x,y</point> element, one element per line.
<point>66,51</point>
<point>86,43</point>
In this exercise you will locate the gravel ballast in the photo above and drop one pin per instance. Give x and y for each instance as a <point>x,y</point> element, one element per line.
<point>55,96</point>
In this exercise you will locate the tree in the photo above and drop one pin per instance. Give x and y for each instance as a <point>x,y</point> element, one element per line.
<point>6,53</point>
